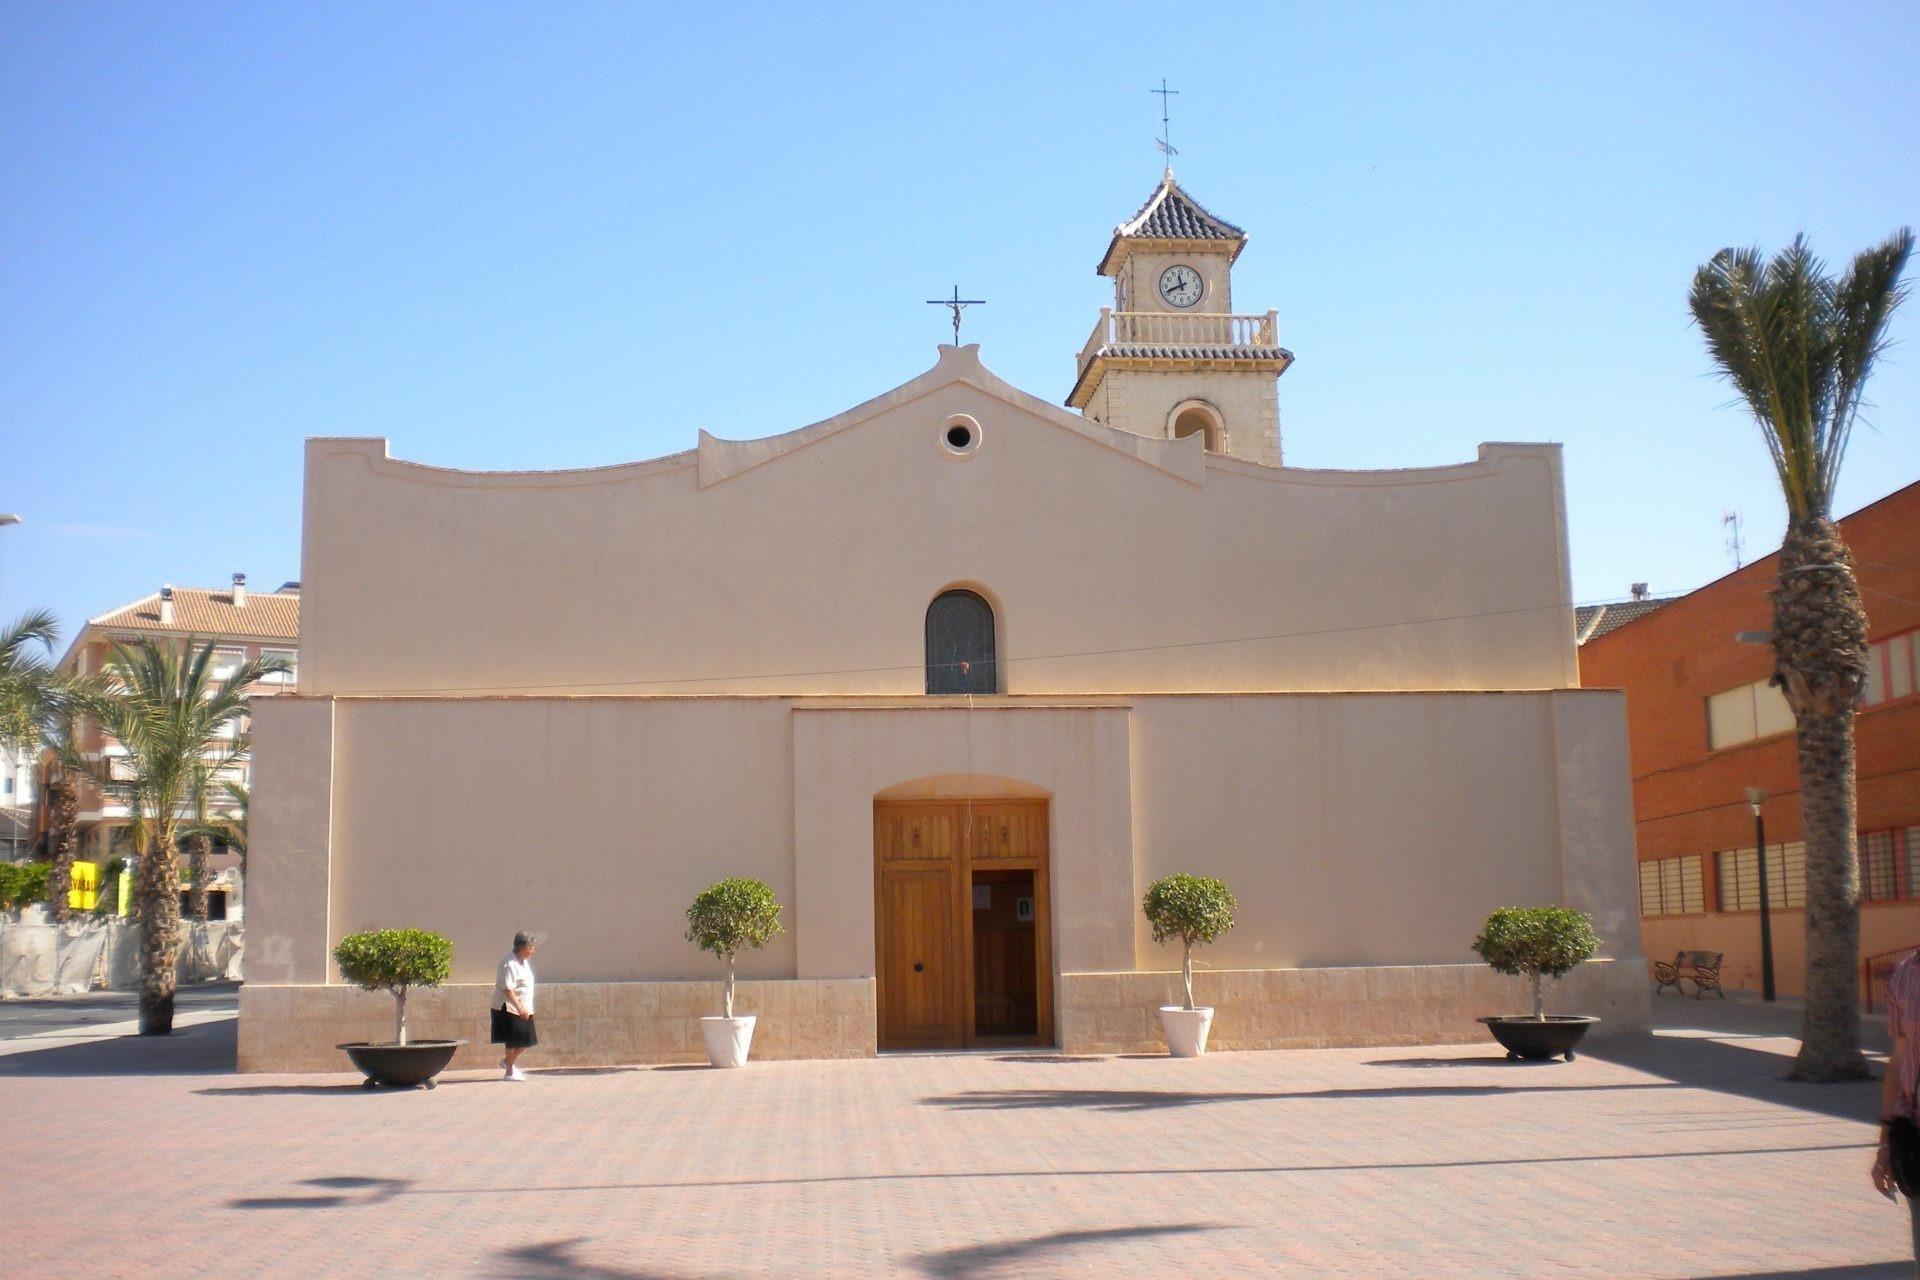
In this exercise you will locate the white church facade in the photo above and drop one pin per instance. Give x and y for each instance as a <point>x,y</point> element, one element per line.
<point>958,672</point>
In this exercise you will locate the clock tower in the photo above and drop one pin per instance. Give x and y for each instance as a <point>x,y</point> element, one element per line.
<point>1170,358</point>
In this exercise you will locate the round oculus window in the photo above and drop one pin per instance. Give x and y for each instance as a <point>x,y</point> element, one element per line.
<point>960,435</point>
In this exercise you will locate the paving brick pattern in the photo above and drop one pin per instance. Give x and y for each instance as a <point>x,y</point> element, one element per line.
<point>1671,1156</point>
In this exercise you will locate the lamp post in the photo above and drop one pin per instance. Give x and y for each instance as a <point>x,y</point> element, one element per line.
<point>1755,798</point>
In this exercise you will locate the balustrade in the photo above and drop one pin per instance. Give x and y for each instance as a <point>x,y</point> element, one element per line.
<point>1178,329</point>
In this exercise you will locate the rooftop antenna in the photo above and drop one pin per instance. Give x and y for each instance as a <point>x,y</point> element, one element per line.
<point>957,303</point>
<point>1735,548</point>
<point>1165,140</point>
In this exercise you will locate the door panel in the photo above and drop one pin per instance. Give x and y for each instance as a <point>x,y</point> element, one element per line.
<point>917,971</point>
<point>924,856</point>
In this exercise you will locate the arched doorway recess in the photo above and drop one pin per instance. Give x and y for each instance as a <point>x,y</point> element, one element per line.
<point>963,938</point>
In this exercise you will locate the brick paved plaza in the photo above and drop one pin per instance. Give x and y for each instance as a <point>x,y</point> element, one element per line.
<point>1676,1155</point>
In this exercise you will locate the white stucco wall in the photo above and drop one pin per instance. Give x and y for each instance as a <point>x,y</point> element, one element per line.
<point>1356,829</point>
<point>804,563</point>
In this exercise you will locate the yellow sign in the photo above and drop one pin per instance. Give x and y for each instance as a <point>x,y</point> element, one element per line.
<point>126,892</point>
<point>84,893</point>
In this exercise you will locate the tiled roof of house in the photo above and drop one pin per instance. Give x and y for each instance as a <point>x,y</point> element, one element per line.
<point>199,611</point>
<point>1171,214</point>
<point>1590,620</point>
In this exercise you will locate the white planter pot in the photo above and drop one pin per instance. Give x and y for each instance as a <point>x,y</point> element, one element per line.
<point>727,1040</point>
<point>1186,1029</point>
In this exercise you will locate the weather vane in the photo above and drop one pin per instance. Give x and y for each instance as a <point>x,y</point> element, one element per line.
<point>1165,141</point>
<point>957,303</point>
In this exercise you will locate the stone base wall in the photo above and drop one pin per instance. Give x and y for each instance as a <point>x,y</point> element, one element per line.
<point>582,1024</point>
<point>1331,1008</point>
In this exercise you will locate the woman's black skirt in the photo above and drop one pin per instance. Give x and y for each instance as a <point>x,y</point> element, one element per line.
<point>512,1030</point>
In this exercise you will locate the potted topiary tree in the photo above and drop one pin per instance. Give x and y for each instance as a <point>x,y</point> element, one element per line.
<point>1536,942</point>
<point>397,960</point>
<point>1196,910</point>
<point>733,914</point>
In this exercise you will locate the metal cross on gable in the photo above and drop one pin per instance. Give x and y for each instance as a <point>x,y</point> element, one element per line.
<point>957,303</point>
<point>1165,142</point>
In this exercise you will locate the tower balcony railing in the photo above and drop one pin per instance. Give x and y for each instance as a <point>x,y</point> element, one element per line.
<point>1178,329</point>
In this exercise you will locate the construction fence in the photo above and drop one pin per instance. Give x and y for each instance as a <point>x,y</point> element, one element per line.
<point>91,954</point>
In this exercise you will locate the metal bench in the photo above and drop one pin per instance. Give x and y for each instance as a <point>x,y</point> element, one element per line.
<point>1701,968</point>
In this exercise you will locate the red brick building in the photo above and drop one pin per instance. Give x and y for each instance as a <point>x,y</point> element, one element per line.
<point>1703,726</point>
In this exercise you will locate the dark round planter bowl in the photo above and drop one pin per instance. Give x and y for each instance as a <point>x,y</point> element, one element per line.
<point>1540,1041</point>
<point>403,1066</point>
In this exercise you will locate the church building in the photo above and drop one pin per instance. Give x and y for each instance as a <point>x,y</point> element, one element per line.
<point>958,672</point>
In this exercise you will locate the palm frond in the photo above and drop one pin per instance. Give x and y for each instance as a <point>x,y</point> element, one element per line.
<point>1799,347</point>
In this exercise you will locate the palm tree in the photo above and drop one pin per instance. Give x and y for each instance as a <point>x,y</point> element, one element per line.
<point>26,680</point>
<point>1799,347</point>
<point>37,702</point>
<point>164,706</point>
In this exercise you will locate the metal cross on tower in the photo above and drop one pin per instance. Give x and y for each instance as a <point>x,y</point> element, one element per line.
<point>1165,142</point>
<point>957,303</point>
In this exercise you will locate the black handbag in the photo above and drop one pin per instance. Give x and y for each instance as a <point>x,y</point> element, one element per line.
<point>1903,1146</point>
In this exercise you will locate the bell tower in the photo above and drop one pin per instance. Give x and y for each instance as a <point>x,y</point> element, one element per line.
<point>1170,358</point>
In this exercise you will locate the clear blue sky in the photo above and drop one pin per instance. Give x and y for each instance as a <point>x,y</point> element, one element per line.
<point>549,236</point>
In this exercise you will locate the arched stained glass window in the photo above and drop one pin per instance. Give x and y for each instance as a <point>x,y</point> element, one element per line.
<point>960,655</point>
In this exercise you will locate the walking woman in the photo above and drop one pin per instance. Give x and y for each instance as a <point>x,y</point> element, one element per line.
<point>513,1005</point>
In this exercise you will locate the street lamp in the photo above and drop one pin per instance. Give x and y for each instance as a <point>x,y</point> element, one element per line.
<point>1755,798</point>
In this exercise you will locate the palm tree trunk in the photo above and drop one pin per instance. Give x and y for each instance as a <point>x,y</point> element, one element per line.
<point>159,932</point>
<point>1820,647</point>
<point>63,810</point>
<point>199,871</point>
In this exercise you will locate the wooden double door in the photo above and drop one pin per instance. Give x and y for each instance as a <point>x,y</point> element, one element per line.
<point>961,920</point>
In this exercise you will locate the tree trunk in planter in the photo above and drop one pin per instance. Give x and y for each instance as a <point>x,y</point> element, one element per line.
<point>199,870</point>
<point>63,809</point>
<point>159,894</point>
<point>1820,652</point>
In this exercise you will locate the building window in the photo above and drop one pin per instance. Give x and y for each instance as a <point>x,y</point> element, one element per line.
<point>1891,669</point>
<point>1672,886</point>
<point>1887,870</point>
<point>291,658</point>
<point>1757,710</point>
<point>224,664</point>
<point>1738,874</point>
<point>960,648</point>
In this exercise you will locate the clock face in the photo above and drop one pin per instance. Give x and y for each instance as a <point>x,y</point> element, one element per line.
<point>1181,285</point>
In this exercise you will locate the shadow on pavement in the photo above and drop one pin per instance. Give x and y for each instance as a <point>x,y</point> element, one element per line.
<point>1492,1060</point>
<point>1156,1099</point>
<point>349,1087</point>
<point>1727,1066</point>
<point>1049,1175</point>
<point>207,1048</point>
<point>1019,1256</point>
<point>333,1194</point>
<point>1859,1271</point>
<point>555,1260</point>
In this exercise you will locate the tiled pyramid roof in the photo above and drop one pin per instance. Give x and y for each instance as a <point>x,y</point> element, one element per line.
<point>1171,214</point>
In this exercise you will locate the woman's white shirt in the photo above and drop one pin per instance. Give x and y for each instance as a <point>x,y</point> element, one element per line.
<point>516,975</point>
